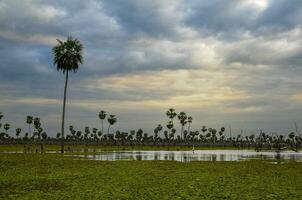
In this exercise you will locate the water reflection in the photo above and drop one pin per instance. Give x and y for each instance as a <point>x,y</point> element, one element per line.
<point>185,156</point>
<point>200,155</point>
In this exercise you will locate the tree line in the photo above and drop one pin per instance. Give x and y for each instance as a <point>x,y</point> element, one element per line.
<point>163,135</point>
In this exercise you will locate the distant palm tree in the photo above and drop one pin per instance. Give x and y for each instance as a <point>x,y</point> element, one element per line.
<point>182,117</point>
<point>171,114</point>
<point>6,127</point>
<point>213,132</point>
<point>156,132</point>
<point>37,123</point>
<point>67,57</point>
<point>111,120</point>
<point>170,126</point>
<point>79,134</point>
<point>159,127</point>
<point>102,116</point>
<point>204,129</point>
<point>44,136</point>
<point>87,131</point>
<point>95,130</point>
<point>18,131</point>
<point>29,121</point>
<point>139,135</point>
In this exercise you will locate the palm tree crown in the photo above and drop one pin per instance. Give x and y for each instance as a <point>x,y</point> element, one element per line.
<point>68,54</point>
<point>6,127</point>
<point>182,117</point>
<point>102,114</point>
<point>171,114</point>
<point>112,119</point>
<point>29,119</point>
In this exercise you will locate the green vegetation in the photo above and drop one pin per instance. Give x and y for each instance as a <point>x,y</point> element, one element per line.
<point>163,137</point>
<point>53,176</point>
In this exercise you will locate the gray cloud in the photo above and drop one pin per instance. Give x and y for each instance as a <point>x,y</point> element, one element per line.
<point>231,19</point>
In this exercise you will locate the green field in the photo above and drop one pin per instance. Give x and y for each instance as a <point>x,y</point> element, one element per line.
<point>53,176</point>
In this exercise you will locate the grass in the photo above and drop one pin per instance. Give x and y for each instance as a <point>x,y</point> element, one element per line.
<point>53,176</point>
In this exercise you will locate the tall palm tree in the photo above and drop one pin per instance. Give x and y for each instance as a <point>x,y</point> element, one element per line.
<point>102,116</point>
<point>111,120</point>
<point>29,121</point>
<point>182,117</point>
<point>67,57</point>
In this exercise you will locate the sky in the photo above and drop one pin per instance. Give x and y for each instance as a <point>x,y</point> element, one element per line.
<point>234,63</point>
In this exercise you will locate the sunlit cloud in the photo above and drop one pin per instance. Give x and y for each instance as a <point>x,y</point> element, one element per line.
<point>38,39</point>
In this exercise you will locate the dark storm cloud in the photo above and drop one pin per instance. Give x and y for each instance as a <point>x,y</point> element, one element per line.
<point>230,19</point>
<point>144,17</point>
<point>218,15</point>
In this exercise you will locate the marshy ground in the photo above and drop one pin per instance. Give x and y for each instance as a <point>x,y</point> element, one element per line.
<point>53,176</point>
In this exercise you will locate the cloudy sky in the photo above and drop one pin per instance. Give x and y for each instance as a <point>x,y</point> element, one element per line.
<point>225,62</point>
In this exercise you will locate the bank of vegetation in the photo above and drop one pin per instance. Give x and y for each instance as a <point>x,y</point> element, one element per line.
<point>164,135</point>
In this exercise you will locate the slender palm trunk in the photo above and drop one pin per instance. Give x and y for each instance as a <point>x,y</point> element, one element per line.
<point>189,128</point>
<point>181,132</point>
<point>102,126</point>
<point>169,139</point>
<point>63,114</point>
<point>108,129</point>
<point>29,130</point>
<point>29,133</point>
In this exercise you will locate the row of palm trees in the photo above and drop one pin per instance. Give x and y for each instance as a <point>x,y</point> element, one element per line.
<point>162,135</point>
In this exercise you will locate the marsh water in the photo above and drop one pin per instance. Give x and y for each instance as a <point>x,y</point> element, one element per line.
<point>181,156</point>
<point>197,155</point>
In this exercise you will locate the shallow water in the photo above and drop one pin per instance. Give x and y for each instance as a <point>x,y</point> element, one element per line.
<point>197,155</point>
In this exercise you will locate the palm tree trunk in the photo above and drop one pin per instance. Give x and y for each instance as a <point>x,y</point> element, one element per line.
<point>102,127</point>
<point>189,128</point>
<point>29,130</point>
<point>181,132</point>
<point>29,133</point>
<point>63,114</point>
<point>108,129</point>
